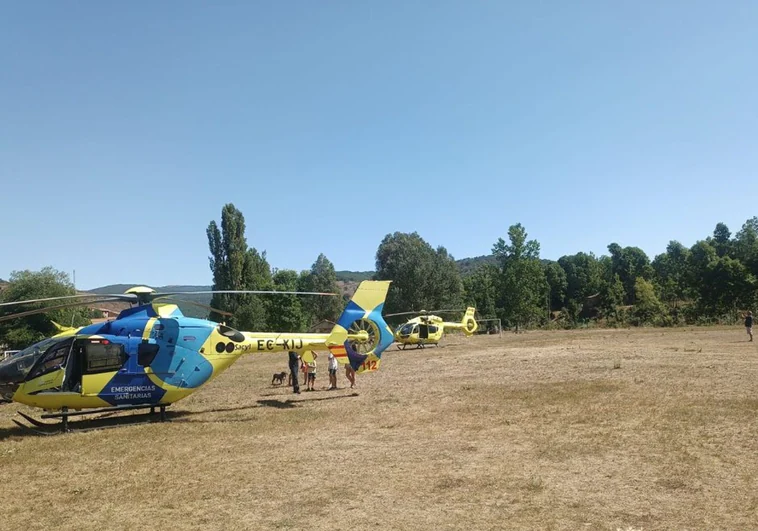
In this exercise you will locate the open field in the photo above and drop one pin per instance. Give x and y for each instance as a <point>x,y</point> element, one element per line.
<point>600,429</point>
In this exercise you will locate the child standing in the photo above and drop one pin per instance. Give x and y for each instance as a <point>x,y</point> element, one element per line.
<point>311,374</point>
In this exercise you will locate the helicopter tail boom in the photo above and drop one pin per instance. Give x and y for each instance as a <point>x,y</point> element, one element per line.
<point>468,324</point>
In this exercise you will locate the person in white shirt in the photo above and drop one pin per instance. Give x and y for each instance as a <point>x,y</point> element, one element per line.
<point>333,365</point>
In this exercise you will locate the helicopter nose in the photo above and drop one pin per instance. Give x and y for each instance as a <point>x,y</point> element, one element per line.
<point>10,378</point>
<point>6,371</point>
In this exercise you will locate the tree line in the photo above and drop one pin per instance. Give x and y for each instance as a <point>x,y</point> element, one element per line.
<point>26,285</point>
<point>712,281</point>
<point>237,266</point>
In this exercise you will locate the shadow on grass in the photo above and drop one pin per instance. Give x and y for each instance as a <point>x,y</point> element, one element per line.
<point>110,420</point>
<point>83,425</point>
<point>290,403</point>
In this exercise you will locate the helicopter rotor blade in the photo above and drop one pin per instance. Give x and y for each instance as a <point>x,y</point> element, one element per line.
<point>243,292</point>
<point>125,297</point>
<point>400,313</point>
<point>56,307</point>
<point>201,305</point>
<point>422,312</point>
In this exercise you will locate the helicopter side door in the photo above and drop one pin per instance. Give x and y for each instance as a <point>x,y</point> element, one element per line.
<point>101,361</point>
<point>48,372</point>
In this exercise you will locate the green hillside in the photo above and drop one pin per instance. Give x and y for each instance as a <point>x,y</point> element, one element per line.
<point>468,265</point>
<point>465,265</point>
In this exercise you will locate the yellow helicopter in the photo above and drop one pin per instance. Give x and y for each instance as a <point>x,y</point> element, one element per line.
<point>151,355</point>
<point>428,329</point>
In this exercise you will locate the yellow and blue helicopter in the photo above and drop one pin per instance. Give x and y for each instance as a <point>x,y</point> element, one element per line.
<point>428,329</point>
<point>152,356</point>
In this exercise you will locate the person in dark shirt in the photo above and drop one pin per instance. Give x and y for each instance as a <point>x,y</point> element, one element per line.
<point>294,362</point>
<point>749,324</point>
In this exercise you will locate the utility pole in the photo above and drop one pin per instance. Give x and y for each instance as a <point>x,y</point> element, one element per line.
<point>74,312</point>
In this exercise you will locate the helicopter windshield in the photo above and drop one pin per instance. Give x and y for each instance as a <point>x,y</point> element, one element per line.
<point>14,369</point>
<point>407,329</point>
<point>24,359</point>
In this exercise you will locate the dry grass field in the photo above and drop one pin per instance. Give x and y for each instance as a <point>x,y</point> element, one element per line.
<point>600,429</point>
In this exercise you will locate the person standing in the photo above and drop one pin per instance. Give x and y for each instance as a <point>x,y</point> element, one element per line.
<point>749,324</point>
<point>333,365</point>
<point>350,374</point>
<point>294,361</point>
<point>310,381</point>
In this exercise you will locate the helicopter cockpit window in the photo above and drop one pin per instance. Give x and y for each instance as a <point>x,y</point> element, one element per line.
<point>26,358</point>
<point>103,356</point>
<point>406,330</point>
<point>52,360</point>
<point>146,353</point>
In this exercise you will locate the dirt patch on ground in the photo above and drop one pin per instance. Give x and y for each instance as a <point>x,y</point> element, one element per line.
<point>600,429</point>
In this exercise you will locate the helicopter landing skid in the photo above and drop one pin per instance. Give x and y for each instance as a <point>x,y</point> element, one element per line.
<point>45,427</point>
<point>53,428</point>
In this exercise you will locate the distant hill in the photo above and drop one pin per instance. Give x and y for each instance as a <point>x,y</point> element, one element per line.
<point>354,276</point>
<point>348,281</point>
<point>121,288</point>
<point>187,309</point>
<point>468,265</point>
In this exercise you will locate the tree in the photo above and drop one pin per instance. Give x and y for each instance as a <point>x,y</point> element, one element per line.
<point>721,284</point>
<point>557,283</point>
<point>25,285</point>
<point>323,279</point>
<point>583,279</point>
<point>423,278</point>
<point>444,282</point>
<point>481,290</point>
<point>672,273</point>
<point>721,239</point>
<point>629,263</point>
<point>701,259</point>
<point>237,267</point>
<point>746,245</point>
<point>648,308</point>
<point>612,296</point>
<point>727,286</point>
<point>285,312</point>
<point>522,280</point>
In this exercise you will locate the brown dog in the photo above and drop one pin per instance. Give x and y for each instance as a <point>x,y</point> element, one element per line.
<point>278,378</point>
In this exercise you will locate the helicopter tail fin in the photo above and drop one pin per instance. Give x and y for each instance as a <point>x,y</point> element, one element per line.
<point>361,334</point>
<point>469,322</point>
<point>62,328</point>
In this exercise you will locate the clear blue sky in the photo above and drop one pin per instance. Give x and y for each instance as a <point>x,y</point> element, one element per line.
<point>126,126</point>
